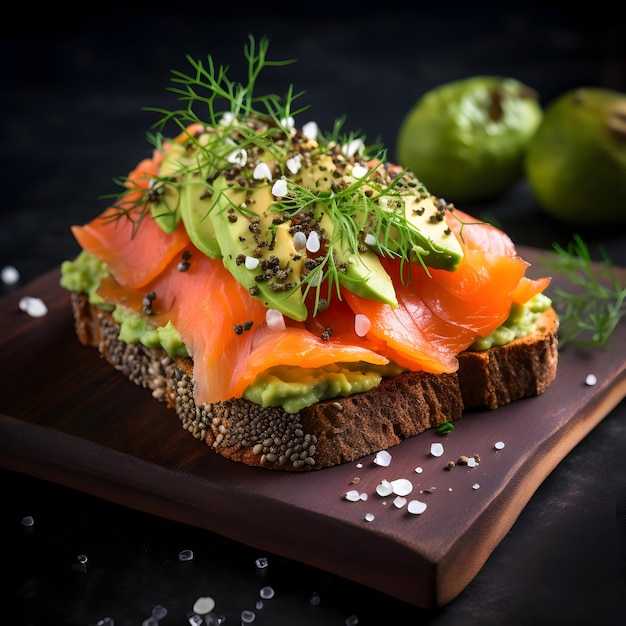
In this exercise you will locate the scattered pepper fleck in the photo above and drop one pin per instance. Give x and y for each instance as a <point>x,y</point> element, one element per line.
<point>147,301</point>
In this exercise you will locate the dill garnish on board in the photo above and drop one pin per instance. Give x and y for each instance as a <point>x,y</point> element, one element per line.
<point>590,312</point>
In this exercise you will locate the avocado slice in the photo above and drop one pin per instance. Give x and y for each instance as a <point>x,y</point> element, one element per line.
<point>433,242</point>
<point>259,253</point>
<point>362,272</point>
<point>165,205</point>
<point>196,203</point>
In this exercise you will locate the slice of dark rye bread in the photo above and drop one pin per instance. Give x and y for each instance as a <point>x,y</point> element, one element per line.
<point>334,431</point>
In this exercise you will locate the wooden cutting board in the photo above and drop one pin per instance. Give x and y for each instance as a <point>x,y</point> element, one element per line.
<point>67,417</point>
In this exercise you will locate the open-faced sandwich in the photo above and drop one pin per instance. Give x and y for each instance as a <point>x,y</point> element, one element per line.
<point>296,299</point>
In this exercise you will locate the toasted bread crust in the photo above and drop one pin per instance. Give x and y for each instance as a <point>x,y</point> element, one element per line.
<point>336,431</point>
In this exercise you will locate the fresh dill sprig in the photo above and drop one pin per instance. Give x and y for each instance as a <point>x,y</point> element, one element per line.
<point>589,313</point>
<point>210,88</point>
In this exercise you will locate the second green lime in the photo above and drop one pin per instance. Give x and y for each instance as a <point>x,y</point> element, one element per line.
<point>465,140</point>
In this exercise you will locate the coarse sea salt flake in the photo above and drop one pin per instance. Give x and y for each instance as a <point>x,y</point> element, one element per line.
<point>370,517</point>
<point>294,163</point>
<point>310,130</point>
<point>238,157</point>
<point>382,458</point>
<point>203,605</point>
<point>279,189</point>
<point>313,242</point>
<point>351,148</point>
<point>402,486</point>
<point>416,507</point>
<point>35,307</point>
<point>10,275</point>
<point>288,123</point>
<point>499,445</point>
<point>362,324</point>
<point>299,241</point>
<point>275,320</point>
<point>252,263</point>
<point>369,240</point>
<point>591,380</point>
<point>436,449</point>
<point>399,502</point>
<point>262,171</point>
<point>384,488</point>
<point>353,495</point>
<point>419,470</point>
<point>475,486</point>
<point>358,171</point>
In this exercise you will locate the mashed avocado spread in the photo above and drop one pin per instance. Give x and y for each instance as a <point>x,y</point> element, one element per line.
<point>291,388</point>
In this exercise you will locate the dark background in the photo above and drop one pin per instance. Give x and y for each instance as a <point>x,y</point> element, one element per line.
<point>73,85</point>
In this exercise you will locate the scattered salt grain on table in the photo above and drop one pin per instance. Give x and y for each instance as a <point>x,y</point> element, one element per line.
<point>499,445</point>
<point>591,380</point>
<point>9,275</point>
<point>203,605</point>
<point>267,593</point>
<point>185,555</point>
<point>401,486</point>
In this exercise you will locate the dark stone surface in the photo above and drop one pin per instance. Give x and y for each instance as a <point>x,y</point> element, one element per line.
<point>71,121</point>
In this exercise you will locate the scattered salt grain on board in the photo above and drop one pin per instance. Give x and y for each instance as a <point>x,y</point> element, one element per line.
<point>35,307</point>
<point>499,445</point>
<point>384,488</point>
<point>436,449</point>
<point>416,507</point>
<point>370,517</point>
<point>399,502</point>
<point>382,458</point>
<point>402,486</point>
<point>418,470</point>
<point>591,380</point>
<point>475,486</point>
<point>353,495</point>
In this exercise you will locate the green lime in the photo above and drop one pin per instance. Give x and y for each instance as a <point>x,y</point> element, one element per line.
<point>576,162</point>
<point>465,140</point>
